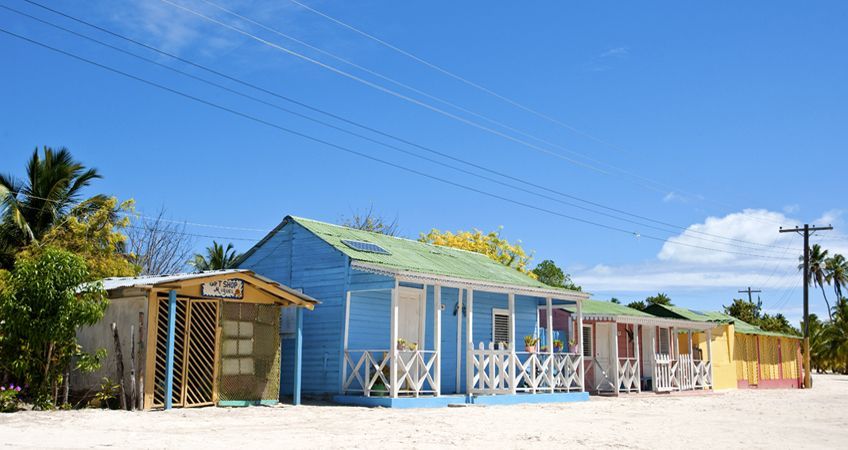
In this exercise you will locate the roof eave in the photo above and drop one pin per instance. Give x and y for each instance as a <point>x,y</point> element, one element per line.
<point>653,321</point>
<point>450,281</point>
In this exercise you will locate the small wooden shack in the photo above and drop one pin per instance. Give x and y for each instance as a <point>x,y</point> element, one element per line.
<point>198,339</point>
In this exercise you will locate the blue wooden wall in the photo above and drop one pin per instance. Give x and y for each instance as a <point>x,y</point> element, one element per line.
<point>297,258</point>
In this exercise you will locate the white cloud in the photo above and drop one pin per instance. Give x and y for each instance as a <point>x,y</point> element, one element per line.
<point>616,52</point>
<point>697,277</point>
<point>674,197</point>
<point>177,31</point>
<point>792,209</point>
<point>749,234</point>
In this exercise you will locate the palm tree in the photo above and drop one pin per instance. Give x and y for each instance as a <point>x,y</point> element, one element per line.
<point>837,273</point>
<point>818,271</point>
<point>836,335</point>
<point>217,258</point>
<point>31,207</point>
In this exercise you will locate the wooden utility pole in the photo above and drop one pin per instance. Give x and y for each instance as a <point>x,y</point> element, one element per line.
<point>808,382</point>
<point>750,291</point>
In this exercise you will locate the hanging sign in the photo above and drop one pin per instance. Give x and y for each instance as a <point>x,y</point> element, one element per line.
<point>232,288</point>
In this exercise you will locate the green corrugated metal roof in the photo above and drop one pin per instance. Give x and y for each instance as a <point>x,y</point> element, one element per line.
<point>739,326</point>
<point>678,312</point>
<point>415,256</point>
<point>608,309</point>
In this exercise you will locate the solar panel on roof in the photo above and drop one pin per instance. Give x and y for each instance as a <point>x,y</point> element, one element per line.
<point>365,247</point>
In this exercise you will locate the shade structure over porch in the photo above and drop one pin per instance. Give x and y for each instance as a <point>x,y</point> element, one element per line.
<point>207,338</point>
<point>631,350</point>
<point>449,356</point>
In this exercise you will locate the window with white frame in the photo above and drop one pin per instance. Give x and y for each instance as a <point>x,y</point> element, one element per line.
<point>587,340</point>
<point>500,326</point>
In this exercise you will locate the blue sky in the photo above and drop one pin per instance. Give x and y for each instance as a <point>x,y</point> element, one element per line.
<point>722,118</point>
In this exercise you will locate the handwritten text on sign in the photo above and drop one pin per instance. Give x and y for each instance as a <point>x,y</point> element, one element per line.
<point>231,288</point>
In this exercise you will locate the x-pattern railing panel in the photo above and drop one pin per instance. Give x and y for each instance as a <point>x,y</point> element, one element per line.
<point>415,371</point>
<point>628,374</point>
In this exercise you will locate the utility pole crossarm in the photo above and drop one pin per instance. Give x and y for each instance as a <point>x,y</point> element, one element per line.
<point>750,291</point>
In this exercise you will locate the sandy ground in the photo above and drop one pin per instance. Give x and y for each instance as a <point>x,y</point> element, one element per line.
<point>734,419</point>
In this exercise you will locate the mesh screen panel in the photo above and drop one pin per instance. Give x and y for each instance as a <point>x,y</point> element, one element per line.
<point>250,352</point>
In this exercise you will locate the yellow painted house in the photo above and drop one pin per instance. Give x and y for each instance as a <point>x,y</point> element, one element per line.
<point>743,355</point>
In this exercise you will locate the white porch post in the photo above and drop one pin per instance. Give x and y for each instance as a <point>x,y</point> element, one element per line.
<point>710,355</point>
<point>458,340</point>
<point>674,351</point>
<point>580,356</point>
<point>654,358</point>
<point>614,359</point>
<point>637,354</point>
<point>437,339</point>
<point>393,349</point>
<point>512,358</point>
<point>469,339</point>
<point>549,315</point>
<point>346,336</point>
<point>691,367</point>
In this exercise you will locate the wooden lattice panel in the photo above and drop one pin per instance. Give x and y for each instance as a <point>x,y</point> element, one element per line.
<point>199,370</point>
<point>162,348</point>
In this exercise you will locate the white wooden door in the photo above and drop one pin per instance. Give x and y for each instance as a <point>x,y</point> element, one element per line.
<point>603,355</point>
<point>409,316</point>
<point>646,339</point>
<point>602,343</point>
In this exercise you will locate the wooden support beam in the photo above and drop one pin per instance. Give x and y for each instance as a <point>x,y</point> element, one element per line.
<point>710,354</point>
<point>393,345</point>
<point>458,340</point>
<point>614,358</point>
<point>149,364</point>
<point>654,358</point>
<point>298,355</point>
<point>511,362</point>
<point>637,330</point>
<point>169,358</point>
<point>469,340</point>
<point>437,338</point>
<point>345,341</point>
<point>549,316</point>
<point>582,367</point>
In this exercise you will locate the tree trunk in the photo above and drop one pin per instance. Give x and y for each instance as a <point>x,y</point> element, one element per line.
<point>66,385</point>
<point>119,356</point>
<point>829,312</point>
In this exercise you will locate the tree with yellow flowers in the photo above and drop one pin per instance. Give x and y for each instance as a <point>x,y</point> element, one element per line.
<point>93,230</point>
<point>490,244</point>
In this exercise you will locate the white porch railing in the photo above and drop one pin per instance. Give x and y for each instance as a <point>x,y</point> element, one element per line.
<point>369,372</point>
<point>665,373</point>
<point>567,372</point>
<point>628,375</point>
<point>501,371</point>
<point>703,374</point>
<point>686,372</point>
<point>602,377</point>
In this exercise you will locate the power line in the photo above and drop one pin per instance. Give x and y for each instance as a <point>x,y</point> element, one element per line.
<point>687,231</point>
<point>356,152</point>
<point>455,76</point>
<point>428,106</point>
<point>490,92</point>
<point>142,215</point>
<point>388,78</point>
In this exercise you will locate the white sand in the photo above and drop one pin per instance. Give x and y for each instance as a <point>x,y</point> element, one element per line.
<point>750,418</point>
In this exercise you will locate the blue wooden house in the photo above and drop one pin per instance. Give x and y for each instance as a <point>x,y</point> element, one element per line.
<point>405,323</point>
